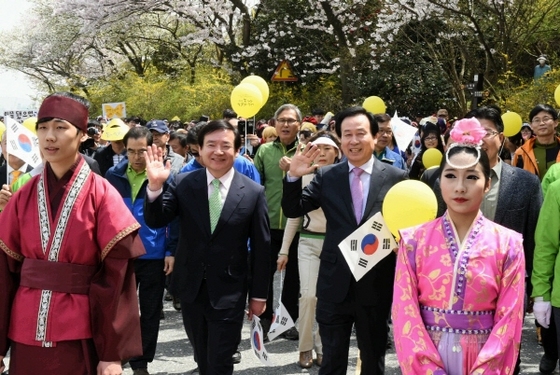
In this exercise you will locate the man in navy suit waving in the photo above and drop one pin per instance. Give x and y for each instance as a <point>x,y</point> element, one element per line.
<point>349,193</point>
<point>220,211</point>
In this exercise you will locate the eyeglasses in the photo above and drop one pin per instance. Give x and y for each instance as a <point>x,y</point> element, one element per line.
<point>385,132</point>
<point>490,134</point>
<point>544,120</point>
<point>138,153</point>
<point>289,121</point>
<point>430,138</point>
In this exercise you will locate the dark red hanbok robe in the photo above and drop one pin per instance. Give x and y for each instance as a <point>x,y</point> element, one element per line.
<point>67,286</point>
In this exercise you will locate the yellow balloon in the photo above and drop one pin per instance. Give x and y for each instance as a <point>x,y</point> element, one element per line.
<point>261,84</point>
<point>30,124</point>
<point>431,157</point>
<point>407,204</point>
<point>246,100</point>
<point>374,104</point>
<point>557,95</point>
<point>2,129</point>
<point>512,123</point>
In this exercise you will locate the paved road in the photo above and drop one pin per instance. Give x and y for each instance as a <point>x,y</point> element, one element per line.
<point>175,357</point>
<point>174,353</point>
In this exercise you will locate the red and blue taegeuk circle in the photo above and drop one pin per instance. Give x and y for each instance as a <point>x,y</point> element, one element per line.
<point>257,341</point>
<point>370,243</point>
<point>25,143</point>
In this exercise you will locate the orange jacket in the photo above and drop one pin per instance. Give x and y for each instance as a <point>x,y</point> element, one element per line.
<point>524,157</point>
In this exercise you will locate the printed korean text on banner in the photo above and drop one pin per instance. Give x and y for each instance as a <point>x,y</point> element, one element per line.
<point>369,244</point>
<point>281,323</point>
<point>114,110</point>
<point>257,343</point>
<point>20,116</point>
<point>22,143</point>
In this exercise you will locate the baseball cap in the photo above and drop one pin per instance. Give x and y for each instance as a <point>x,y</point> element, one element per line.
<point>157,125</point>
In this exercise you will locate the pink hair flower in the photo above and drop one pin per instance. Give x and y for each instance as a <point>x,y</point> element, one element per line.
<point>467,131</point>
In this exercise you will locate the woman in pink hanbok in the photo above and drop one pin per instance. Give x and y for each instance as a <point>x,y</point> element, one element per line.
<point>459,282</point>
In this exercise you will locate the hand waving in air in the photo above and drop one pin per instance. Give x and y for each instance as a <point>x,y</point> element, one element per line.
<point>302,162</point>
<point>157,171</point>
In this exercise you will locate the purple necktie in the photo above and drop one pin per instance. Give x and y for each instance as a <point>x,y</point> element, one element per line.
<point>357,193</point>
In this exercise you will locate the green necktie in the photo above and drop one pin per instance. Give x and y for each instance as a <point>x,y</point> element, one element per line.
<point>215,204</point>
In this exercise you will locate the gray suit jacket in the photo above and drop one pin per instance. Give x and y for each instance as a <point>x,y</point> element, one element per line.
<point>519,202</point>
<point>330,190</point>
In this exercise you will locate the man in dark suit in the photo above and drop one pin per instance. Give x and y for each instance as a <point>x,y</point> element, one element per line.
<point>214,271</point>
<point>349,193</point>
<point>514,201</point>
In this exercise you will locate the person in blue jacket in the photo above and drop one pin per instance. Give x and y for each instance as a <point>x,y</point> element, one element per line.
<point>130,179</point>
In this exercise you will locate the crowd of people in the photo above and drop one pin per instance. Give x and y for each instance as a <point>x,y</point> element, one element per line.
<point>122,210</point>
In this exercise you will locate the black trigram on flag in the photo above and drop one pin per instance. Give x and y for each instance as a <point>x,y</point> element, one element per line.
<point>377,226</point>
<point>386,244</point>
<point>284,321</point>
<point>362,262</point>
<point>353,245</point>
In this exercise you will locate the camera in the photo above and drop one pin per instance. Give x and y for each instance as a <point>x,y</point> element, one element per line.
<point>246,127</point>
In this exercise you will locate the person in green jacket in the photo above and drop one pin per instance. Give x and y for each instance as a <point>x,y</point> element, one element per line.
<point>273,162</point>
<point>546,276</point>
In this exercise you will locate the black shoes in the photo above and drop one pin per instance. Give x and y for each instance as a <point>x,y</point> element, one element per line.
<point>547,365</point>
<point>168,296</point>
<point>236,357</point>
<point>291,334</point>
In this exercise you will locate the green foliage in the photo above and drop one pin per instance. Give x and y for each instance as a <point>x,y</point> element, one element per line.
<point>160,96</point>
<point>524,97</point>
<point>411,85</point>
<point>324,94</point>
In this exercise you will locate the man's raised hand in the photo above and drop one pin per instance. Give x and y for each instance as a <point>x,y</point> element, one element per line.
<point>302,162</point>
<point>156,170</point>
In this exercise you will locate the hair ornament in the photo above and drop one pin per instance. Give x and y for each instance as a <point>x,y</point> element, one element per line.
<point>466,133</point>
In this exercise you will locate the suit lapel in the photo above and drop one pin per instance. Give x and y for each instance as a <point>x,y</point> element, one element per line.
<point>376,180</point>
<point>504,192</point>
<point>234,197</point>
<point>344,172</point>
<point>200,201</point>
